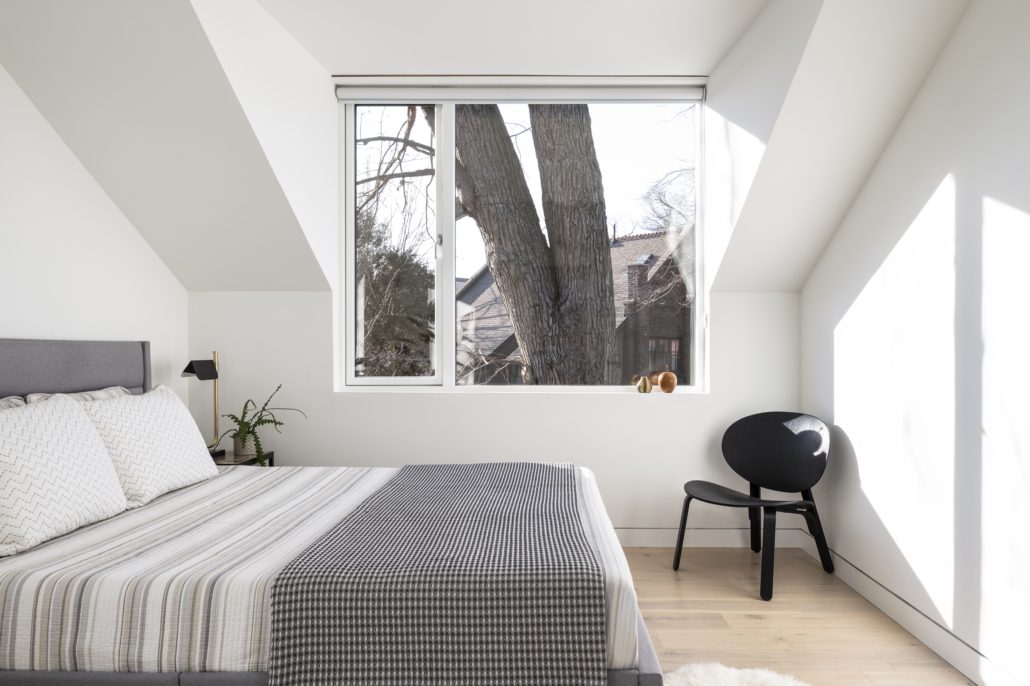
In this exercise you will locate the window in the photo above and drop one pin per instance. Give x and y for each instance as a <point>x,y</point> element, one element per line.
<point>520,240</point>
<point>664,356</point>
<point>395,240</point>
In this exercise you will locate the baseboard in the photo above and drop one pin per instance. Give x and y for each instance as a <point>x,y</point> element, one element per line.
<point>700,538</point>
<point>962,656</point>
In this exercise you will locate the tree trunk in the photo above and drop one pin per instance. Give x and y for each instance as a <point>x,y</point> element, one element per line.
<point>559,297</point>
<point>516,250</point>
<point>577,229</point>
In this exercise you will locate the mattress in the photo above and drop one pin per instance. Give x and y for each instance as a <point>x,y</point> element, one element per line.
<point>184,583</point>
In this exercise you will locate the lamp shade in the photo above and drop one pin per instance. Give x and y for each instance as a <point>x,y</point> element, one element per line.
<point>205,370</point>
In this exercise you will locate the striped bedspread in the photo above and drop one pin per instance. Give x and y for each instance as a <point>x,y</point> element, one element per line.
<point>184,583</point>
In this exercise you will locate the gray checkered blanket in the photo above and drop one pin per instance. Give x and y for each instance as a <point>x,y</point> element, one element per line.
<point>476,575</point>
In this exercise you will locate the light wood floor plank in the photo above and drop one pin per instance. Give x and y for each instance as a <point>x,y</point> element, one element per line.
<point>816,628</point>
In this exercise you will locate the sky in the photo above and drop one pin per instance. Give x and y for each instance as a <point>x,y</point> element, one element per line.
<point>636,144</point>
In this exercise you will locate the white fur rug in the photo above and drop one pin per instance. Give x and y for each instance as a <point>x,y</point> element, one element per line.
<point>715,674</point>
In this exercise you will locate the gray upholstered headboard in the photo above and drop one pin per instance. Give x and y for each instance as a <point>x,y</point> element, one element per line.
<point>38,366</point>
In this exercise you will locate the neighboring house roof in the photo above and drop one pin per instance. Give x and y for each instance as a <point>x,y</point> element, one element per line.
<point>491,329</point>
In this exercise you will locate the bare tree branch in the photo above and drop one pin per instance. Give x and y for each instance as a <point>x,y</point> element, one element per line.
<point>396,175</point>
<point>415,145</point>
<point>395,160</point>
<point>464,186</point>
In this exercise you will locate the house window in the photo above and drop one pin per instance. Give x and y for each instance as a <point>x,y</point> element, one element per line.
<point>519,236</point>
<point>664,355</point>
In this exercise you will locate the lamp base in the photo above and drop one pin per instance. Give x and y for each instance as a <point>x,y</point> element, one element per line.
<point>218,452</point>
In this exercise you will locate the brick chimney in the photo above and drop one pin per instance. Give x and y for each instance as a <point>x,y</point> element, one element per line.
<point>636,277</point>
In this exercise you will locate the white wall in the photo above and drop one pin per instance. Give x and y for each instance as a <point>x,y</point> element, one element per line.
<point>642,447</point>
<point>72,264</point>
<point>915,339</point>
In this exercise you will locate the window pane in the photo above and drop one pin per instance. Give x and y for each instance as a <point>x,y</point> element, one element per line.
<point>664,356</point>
<point>395,241</point>
<point>574,242</point>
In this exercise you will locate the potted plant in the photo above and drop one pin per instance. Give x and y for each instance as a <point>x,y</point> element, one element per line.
<point>245,439</point>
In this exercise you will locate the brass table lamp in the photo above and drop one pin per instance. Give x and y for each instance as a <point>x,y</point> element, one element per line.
<point>207,370</point>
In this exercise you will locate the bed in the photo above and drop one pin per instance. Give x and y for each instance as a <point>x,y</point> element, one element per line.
<point>180,590</point>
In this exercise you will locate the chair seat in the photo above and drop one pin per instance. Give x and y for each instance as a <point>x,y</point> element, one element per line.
<point>715,494</point>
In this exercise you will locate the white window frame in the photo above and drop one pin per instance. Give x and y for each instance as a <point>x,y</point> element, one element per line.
<point>444,93</point>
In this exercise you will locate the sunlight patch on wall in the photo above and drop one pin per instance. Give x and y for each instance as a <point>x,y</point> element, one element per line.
<point>894,392</point>
<point>731,158</point>
<point>1005,595</point>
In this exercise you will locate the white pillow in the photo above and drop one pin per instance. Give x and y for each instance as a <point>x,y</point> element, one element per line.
<point>55,474</point>
<point>153,441</point>
<point>11,401</point>
<point>101,394</point>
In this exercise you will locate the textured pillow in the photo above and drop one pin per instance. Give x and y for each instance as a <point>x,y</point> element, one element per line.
<point>153,441</point>
<point>11,401</point>
<point>55,474</point>
<point>102,394</point>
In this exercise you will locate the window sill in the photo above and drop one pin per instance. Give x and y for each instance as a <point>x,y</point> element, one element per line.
<point>514,390</point>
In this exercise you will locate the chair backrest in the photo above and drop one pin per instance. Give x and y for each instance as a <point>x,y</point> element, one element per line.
<point>784,451</point>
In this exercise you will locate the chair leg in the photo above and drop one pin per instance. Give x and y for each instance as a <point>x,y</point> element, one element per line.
<point>815,527</point>
<point>768,551</point>
<point>679,536</point>
<point>755,514</point>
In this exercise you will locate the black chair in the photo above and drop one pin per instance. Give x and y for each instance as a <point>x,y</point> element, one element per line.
<point>782,451</point>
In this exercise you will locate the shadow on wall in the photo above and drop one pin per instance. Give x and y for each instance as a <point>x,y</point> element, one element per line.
<point>861,519</point>
<point>917,350</point>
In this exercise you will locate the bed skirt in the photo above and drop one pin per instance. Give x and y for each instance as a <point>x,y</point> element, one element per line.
<point>648,673</point>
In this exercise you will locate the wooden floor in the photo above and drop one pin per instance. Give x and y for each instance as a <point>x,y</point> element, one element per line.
<point>815,628</point>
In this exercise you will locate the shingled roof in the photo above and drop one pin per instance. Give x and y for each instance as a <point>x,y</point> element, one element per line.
<point>490,328</point>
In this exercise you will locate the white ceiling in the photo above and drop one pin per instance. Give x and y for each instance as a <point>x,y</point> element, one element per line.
<point>137,93</point>
<point>536,37</point>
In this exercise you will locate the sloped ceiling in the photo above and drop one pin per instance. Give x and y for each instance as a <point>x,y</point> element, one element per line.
<point>202,120</point>
<point>291,105</point>
<point>861,67</point>
<point>745,94</point>
<point>472,37</point>
<point>749,84</point>
<point>136,91</point>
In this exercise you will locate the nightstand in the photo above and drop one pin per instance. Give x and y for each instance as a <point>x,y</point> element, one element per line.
<point>229,460</point>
